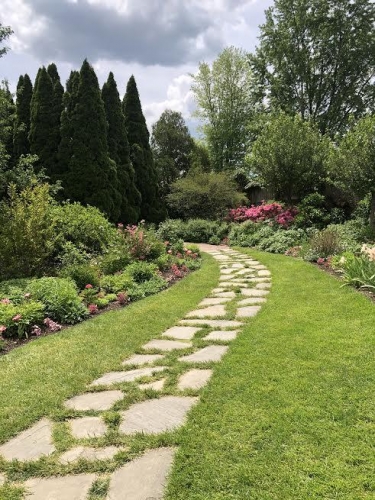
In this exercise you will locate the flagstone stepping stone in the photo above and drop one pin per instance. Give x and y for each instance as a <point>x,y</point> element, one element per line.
<point>2,479</point>
<point>244,272</point>
<point>181,332</point>
<point>248,312</point>
<point>158,385</point>
<point>221,335</point>
<point>218,290</point>
<point>143,359</point>
<point>237,265</point>
<point>60,488</point>
<point>264,273</point>
<point>253,292</point>
<point>263,286</point>
<point>228,271</point>
<point>87,427</point>
<point>260,280</point>
<point>166,345</point>
<point>226,277</point>
<point>242,281</point>
<point>97,401</point>
<point>156,415</point>
<point>209,353</point>
<point>208,312</point>
<point>194,379</point>
<point>31,444</point>
<point>90,454</point>
<point>221,257</point>
<point>143,478</point>
<point>230,295</point>
<point>221,323</point>
<point>251,301</point>
<point>129,376</point>
<point>214,301</point>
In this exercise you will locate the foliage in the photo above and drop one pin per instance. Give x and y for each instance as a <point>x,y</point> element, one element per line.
<point>172,147</point>
<point>70,255</point>
<point>312,212</point>
<point>21,144</point>
<point>146,288</point>
<point>19,318</point>
<point>267,211</point>
<point>7,117</point>
<point>200,193</point>
<point>119,151</point>
<point>223,95</point>
<point>193,230</point>
<point>141,243</point>
<point>359,272</point>
<point>326,243</point>
<point>81,274</point>
<point>352,164</point>
<point>315,58</point>
<point>116,283</point>
<point>27,232</point>
<point>115,260</point>
<point>288,158</point>
<point>22,175</point>
<point>59,296</point>
<point>353,234</point>
<point>140,272</point>
<point>152,209</point>
<point>5,32</point>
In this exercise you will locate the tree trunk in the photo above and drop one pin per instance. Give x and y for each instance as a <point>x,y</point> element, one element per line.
<point>372,211</point>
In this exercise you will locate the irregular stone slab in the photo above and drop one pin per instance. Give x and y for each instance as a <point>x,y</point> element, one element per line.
<point>166,345</point>
<point>60,488</point>
<point>30,444</point>
<point>232,283</point>
<point>221,257</point>
<point>222,335</point>
<point>143,478</point>
<point>259,266</point>
<point>226,271</point>
<point>263,286</point>
<point>226,278</point>
<point>90,454</point>
<point>260,280</point>
<point>194,379</point>
<point>248,312</point>
<point>2,479</point>
<point>218,290</point>
<point>208,312</point>
<point>230,295</point>
<point>209,353</point>
<point>156,415</point>
<point>264,273</point>
<point>181,332</point>
<point>242,281</point>
<point>158,385</point>
<point>97,401</point>
<point>143,359</point>
<point>221,323</point>
<point>214,301</point>
<point>253,292</point>
<point>245,272</point>
<point>237,265</point>
<point>251,301</point>
<point>88,427</point>
<point>129,376</point>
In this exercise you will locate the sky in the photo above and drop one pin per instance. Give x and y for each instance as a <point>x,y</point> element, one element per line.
<point>160,42</point>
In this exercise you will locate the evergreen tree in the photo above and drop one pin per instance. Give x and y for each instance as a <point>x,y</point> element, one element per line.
<point>118,148</point>
<point>7,116</point>
<point>90,175</point>
<point>55,120</point>
<point>21,145</point>
<point>152,208</point>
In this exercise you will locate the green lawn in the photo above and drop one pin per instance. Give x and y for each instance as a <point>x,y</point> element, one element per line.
<point>37,378</point>
<point>290,412</point>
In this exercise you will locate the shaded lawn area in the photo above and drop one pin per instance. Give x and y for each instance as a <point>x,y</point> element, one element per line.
<point>36,378</point>
<point>290,412</point>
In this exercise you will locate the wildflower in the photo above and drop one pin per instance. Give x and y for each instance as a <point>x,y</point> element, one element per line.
<point>88,286</point>
<point>93,309</point>
<point>3,328</point>
<point>52,325</point>
<point>5,301</point>
<point>320,261</point>
<point>36,330</point>
<point>17,317</point>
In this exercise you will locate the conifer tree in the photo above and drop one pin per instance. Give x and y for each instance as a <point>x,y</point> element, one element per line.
<point>118,147</point>
<point>152,208</point>
<point>21,145</point>
<point>55,120</point>
<point>90,176</point>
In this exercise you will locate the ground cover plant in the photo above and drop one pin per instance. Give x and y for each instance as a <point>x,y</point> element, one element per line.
<point>295,391</point>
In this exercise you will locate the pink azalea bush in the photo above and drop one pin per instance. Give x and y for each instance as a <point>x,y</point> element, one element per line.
<point>272,212</point>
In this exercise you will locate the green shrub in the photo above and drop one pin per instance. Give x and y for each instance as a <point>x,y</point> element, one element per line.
<point>14,290</point>
<point>353,234</point>
<point>312,212</point>
<point>171,230</point>
<point>141,290</point>
<point>111,297</point>
<point>281,240</point>
<point>27,232</point>
<point>60,298</point>
<point>19,318</point>
<point>116,283</point>
<point>142,243</point>
<point>115,261</point>
<point>101,302</point>
<point>164,262</point>
<point>326,243</point>
<point>141,271</point>
<point>82,275</point>
<point>359,272</point>
<point>71,255</point>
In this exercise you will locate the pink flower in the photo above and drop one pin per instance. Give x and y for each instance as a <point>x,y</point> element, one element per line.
<point>17,317</point>
<point>5,301</point>
<point>88,287</point>
<point>320,261</point>
<point>120,225</point>
<point>27,295</point>
<point>122,298</point>
<point>52,325</point>
<point>170,252</point>
<point>3,328</point>
<point>93,309</point>
<point>36,330</point>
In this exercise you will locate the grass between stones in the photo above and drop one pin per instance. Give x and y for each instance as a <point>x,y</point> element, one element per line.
<point>39,377</point>
<point>289,412</point>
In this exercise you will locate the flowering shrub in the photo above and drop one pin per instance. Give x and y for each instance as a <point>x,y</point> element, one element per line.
<point>15,319</point>
<point>51,325</point>
<point>93,309</point>
<point>122,298</point>
<point>369,252</point>
<point>142,244</point>
<point>274,212</point>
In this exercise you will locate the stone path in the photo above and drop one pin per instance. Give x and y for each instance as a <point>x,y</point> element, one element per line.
<point>144,398</point>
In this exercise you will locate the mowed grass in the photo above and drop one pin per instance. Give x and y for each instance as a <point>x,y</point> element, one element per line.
<point>37,378</point>
<point>290,412</point>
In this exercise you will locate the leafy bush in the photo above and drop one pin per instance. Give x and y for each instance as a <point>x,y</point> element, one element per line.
<point>115,261</point>
<point>142,244</point>
<point>141,271</point>
<point>16,319</point>
<point>353,234</point>
<point>280,241</point>
<point>275,212</point>
<point>14,290</point>
<point>193,230</point>
<point>71,255</point>
<point>326,243</point>
<point>171,230</point>
<point>116,283</point>
<point>27,232</point>
<point>59,296</point>
<point>360,272</point>
<point>102,302</point>
<point>164,262</point>
<point>312,212</point>
<point>82,275</point>
<point>141,290</point>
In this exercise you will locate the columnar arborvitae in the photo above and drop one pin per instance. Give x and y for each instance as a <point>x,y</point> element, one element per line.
<point>55,120</point>
<point>21,145</point>
<point>41,128</point>
<point>90,176</point>
<point>152,209</point>
<point>118,147</point>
